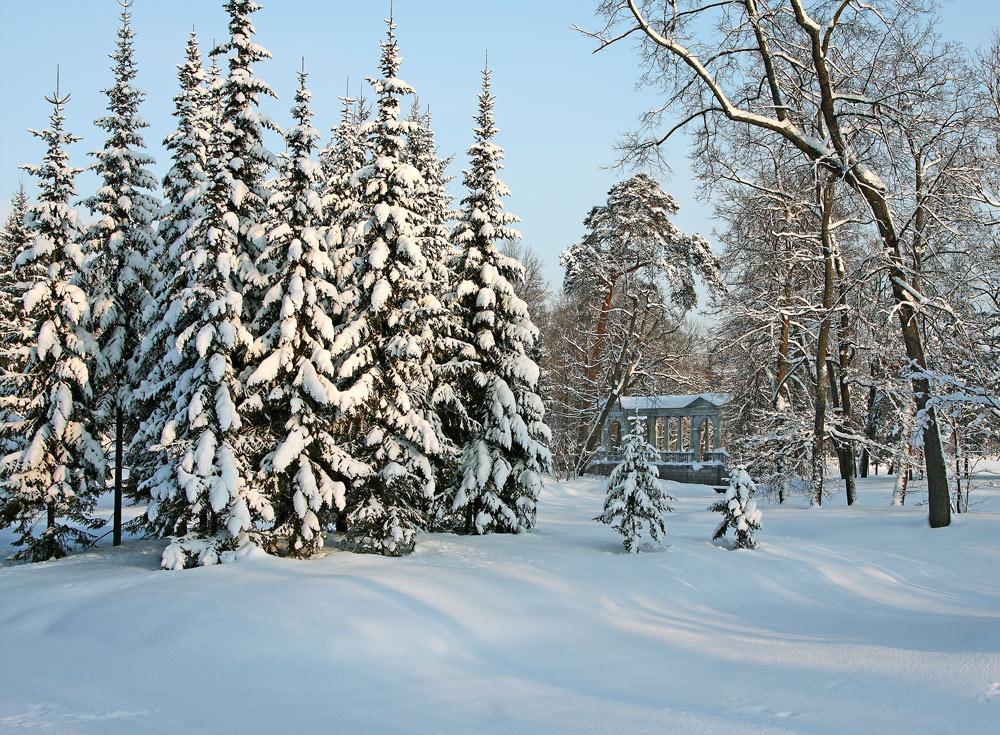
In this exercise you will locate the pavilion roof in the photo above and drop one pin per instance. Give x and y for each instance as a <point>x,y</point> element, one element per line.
<point>646,403</point>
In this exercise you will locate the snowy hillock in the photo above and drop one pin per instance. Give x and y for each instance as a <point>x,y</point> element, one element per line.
<point>844,620</point>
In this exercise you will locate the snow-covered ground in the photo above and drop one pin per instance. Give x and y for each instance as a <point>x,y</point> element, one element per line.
<point>843,621</point>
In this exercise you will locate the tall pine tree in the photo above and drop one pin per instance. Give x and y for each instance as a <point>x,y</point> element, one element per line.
<point>55,476</point>
<point>505,452</point>
<point>201,487</point>
<point>388,343</point>
<point>179,218</point>
<point>249,165</point>
<point>200,490</point>
<point>122,271</point>
<point>305,469</point>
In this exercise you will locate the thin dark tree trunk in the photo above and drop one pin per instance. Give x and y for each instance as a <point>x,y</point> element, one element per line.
<point>781,393</point>
<point>870,433</point>
<point>822,344</point>
<point>848,465</point>
<point>116,537</point>
<point>50,529</point>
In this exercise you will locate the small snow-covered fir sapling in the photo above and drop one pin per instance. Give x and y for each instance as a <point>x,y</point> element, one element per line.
<point>635,499</point>
<point>739,512</point>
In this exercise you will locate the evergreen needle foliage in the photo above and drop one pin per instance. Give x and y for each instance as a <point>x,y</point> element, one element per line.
<point>739,512</point>
<point>635,503</point>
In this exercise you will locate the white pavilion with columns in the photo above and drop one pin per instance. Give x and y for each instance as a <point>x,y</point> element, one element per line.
<point>684,429</point>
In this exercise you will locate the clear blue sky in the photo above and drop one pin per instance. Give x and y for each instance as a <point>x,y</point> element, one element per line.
<point>559,107</point>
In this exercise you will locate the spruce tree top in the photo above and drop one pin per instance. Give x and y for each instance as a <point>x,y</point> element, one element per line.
<point>302,173</point>
<point>248,159</point>
<point>121,162</point>
<point>394,273</point>
<point>494,314</point>
<point>51,217</point>
<point>483,215</point>
<point>188,143</point>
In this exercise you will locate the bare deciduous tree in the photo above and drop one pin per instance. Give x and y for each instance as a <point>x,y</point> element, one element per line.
<point>788,71</point>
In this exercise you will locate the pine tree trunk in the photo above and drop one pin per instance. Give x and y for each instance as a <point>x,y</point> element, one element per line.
<point>116,537</point>
<point>595,358</point>
<point>50,530</point>
<point>621,379</point>
<point>782,467</point>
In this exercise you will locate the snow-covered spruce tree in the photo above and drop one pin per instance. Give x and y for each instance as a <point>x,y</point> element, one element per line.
<point>199,489</point>
<point>504,450</point>
<point>635,501</point>
<point>179,216</point>
<point>121,271</point>
<point>739,512</point>
<point>294,382</point>
<point>56,474</point>
<point>344,156</point>
<point>390,342</point>
<point>432,204</point>
<point>249,164</point>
